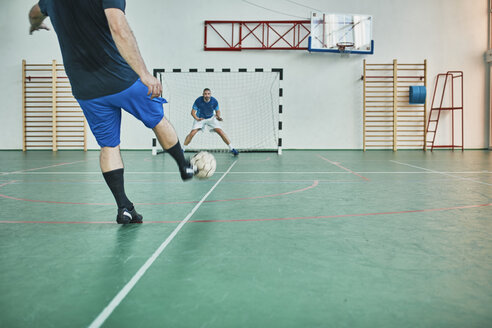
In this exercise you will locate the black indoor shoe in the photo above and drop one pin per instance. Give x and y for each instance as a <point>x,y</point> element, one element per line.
<point>189,172</point>
<point>126,216</point>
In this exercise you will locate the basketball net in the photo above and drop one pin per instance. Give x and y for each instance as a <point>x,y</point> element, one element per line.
<point>345,48</point>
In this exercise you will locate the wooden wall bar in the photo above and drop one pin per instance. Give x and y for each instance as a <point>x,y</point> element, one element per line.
<point>51,117</point>
<point>390,121</point>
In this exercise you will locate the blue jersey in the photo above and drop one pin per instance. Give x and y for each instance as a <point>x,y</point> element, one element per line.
<point>205,109</point>
<point>92,61</point>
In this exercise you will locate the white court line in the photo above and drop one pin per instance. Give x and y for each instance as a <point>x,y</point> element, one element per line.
<point>443,173</point>
<point>343,168</point>
<point>263,172</point>
<point>40,168</point>
<point>7,183</point>
<point>128,287</point>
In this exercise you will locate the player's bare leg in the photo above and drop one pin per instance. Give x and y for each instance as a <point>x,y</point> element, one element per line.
<point>224,137</point>
<point>190,136</point>
<point>168,139</point>
<point>165,133</point>
<point>110,159</point>
<point>112,170</point>
<point>222,134</point>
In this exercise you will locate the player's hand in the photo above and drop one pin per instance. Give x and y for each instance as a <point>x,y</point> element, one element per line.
<point>38,27</point>
<point>200,119</point>
<point>155,87</point>
<point>219,118</point>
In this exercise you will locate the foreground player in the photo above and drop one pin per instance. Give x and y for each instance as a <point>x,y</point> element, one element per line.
<point>206,112</point>
<point>107,73</point>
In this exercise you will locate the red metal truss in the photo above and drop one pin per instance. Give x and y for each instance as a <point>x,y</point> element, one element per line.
<point>256,35</point>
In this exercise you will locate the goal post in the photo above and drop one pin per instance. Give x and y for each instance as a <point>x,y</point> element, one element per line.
<point>249,101</point>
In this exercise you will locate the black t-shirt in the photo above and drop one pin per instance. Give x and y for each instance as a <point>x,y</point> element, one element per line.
<point>92,60</point>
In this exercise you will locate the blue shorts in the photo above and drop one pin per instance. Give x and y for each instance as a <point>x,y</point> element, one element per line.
<point>104,113</point>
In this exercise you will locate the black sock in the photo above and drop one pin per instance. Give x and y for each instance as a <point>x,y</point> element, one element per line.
<point>115,182</point>
<point>177,153</point>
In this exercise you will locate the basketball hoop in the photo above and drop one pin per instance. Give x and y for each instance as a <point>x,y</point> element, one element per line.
<point>345,48</point>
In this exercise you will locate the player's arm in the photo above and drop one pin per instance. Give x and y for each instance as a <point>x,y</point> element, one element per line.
<point>217,111</point>
<point>217,115</point>
<point>36,18</point>
<point>193,113</point>
<point>128,48</point>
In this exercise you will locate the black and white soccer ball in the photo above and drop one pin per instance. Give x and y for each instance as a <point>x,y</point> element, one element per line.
<point>205,163</point>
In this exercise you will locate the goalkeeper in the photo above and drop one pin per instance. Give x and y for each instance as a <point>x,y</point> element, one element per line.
<point>206,112</point>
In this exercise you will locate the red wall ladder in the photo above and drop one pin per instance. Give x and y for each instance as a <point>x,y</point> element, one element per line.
<point>456,104</point>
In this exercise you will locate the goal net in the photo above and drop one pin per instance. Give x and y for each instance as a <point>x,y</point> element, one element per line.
<point>248,102</point>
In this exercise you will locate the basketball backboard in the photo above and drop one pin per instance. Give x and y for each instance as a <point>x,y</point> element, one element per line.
<point>340,33</point>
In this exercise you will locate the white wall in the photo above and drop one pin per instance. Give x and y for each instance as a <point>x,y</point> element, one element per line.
<point>322,92</point>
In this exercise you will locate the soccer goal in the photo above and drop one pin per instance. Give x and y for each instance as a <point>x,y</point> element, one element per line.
<point>249,101</point>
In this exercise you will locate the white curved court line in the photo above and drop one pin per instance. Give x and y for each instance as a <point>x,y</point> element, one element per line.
<point>128,287</point>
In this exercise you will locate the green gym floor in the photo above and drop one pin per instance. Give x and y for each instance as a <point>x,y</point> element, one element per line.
<point>306,239</point>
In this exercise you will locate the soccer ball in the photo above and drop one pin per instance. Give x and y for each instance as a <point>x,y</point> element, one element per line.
<point>205,163</point>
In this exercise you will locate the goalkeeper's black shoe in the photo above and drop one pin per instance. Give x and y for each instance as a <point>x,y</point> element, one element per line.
<point>126,216</point>
<point>188,172</point>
